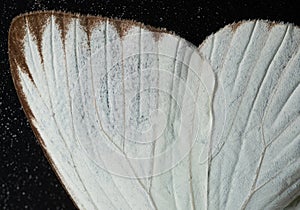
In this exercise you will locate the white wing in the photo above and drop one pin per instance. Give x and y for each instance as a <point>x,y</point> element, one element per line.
<point>255,140</point>
<point>117,106</point>
<point>132,117</point>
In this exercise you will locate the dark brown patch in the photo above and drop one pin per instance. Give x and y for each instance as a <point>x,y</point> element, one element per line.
<point>63,20</point>
<point>16,46</point>
<point>89,23</point>
<point>271,25</point>
<point>235,26</point>
<point>36,25</point>
<point>17,59</point>
<point>157,32</point>
<point>123,26</point>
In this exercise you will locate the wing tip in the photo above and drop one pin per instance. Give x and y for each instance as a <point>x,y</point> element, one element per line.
<point>17,60</point>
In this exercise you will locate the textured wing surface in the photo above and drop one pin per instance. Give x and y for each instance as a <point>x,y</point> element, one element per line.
<point>117,106</point>
<point>255,137</point>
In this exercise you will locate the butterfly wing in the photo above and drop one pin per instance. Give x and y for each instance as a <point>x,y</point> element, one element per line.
<point>255,136</point>
<point>117,107</point>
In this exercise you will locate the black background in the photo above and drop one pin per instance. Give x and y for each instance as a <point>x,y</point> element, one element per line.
<point>26,179</point>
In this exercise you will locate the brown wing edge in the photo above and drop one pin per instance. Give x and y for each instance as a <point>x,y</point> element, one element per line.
<point>16,58</point>
<point>36,21</point>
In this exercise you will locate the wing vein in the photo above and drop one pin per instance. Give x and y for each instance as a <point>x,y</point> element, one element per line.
<point>171,126</point>
<point>117,147</point>
<point>212,47</point>
<point>71,155</point>
<point>247,200</point>
<point>99,155</point>
<point>236,113</point>
<point>154,130</point>
<point>244,52</point>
